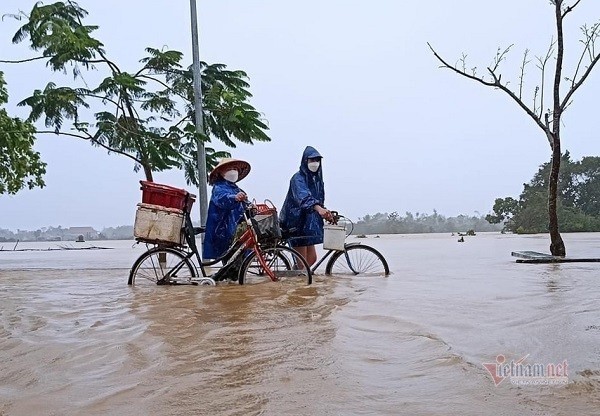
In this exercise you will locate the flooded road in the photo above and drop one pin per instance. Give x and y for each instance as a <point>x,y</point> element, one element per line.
<point>75,339</point>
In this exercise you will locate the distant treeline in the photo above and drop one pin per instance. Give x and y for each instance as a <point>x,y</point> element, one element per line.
<point>124,232</point>
<point>384,223</point>
<point>380,223</point>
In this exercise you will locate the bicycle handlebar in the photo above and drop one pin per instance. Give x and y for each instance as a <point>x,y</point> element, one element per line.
<point>337,217</point>
<point>249,209</point>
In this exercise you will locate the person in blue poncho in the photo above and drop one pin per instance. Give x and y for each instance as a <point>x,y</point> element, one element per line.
<point>303,210</point>
<point>225,208</point>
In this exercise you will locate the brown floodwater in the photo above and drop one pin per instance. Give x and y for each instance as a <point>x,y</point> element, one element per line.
<point>75,339</point>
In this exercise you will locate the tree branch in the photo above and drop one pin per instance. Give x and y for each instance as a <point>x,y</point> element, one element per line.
<point>164,84</point>
<point>110,100</point>
<point>20,61</point>
<point>570,9</point>
<point>578,83</point>
<point>90,138</point>
<point>542,67</point>
<point>535,95</point>
<point>548,131</point>
<point>522,76</point>
<point>113,67</point>
<point>458,71</point>
<point>495,84</point>
<point>501,56</point>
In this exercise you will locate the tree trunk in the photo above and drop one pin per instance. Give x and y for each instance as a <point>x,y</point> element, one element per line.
<point>148,173</point>
<point>557,246</point>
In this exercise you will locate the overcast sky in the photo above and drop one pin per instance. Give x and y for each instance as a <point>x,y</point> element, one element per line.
<point>354,79</point>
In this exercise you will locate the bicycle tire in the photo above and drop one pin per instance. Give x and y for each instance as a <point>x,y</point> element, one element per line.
<point>159,263</point>
<point>282,261</point>
<point>358,260</point>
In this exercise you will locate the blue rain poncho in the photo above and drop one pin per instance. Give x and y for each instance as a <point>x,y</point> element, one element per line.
<point>298,216</point>
<point>224,213</point>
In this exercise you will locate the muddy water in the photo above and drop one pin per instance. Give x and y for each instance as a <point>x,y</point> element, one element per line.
<point>75,339</point>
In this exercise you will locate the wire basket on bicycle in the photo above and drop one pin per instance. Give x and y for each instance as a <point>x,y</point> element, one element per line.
<point>266,224</point>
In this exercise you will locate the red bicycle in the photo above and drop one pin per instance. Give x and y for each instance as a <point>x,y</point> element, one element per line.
<point>253,257</point>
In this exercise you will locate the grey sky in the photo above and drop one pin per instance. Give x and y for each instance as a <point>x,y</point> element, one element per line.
<point>354,79</point>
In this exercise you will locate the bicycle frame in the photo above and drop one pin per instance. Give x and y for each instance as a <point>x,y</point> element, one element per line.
<point>336,218</point>
<point>330,252</point>
<point>170,263</point>
<point>248,240</point>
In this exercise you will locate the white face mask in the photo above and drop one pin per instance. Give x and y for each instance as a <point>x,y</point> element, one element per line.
<point>231,175</point>
<point>314,166</point>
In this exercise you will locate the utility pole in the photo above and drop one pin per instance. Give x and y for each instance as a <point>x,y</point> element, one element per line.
<point>202,187</point>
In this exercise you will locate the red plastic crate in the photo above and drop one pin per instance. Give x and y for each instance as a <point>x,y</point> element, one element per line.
<point>166,196</point>
<point>266,208</point>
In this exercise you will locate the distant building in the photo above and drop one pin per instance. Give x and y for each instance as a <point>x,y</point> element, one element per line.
<point>73,233</point>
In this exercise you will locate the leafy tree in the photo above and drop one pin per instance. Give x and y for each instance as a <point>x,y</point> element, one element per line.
<point>147,114</point>
<point>566,181</point>
<point>20,165</point>
<point>504,209</point>
<point>578,199</point>
<point>587,196</point>
<point>531,214</point>
<point>394,222</point>
<point>549,121</point>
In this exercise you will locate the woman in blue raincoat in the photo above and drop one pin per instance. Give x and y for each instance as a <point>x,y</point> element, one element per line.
<point>304,209</point>
<point>225,208</point>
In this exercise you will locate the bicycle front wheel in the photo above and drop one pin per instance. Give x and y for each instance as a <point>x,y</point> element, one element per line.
<point>285,263</point>
<point>164,265</point>
<point>358,260</point>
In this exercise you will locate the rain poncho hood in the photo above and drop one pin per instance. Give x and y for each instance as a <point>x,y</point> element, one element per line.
<point>224,212</point>
<point>306,190</point>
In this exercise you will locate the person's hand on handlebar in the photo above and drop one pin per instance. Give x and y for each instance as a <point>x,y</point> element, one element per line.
<point>249,207</point>
<point>324,213</point>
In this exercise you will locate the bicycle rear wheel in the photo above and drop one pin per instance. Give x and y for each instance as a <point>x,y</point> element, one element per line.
<point>358,260</point>
<point>285,263</point>
<point>164,265</point>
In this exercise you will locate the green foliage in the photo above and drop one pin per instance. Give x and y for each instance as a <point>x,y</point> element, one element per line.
<point>20,165</point>
<point>578,205</point>
<point>503,209</point>
<point>531,215</point>
<point>56,30</point>
<point>146,115</point>
<point>587,196</point>
<point>55,104</point>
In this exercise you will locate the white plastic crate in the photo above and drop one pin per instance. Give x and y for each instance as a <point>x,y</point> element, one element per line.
<point>158,224</point>
<point>334,237</point>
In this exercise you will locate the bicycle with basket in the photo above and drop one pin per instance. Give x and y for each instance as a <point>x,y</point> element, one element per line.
<point>164,224</point>
<point>344,258</point>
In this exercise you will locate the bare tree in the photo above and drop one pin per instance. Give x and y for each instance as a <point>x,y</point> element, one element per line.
<point>550,120</point>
